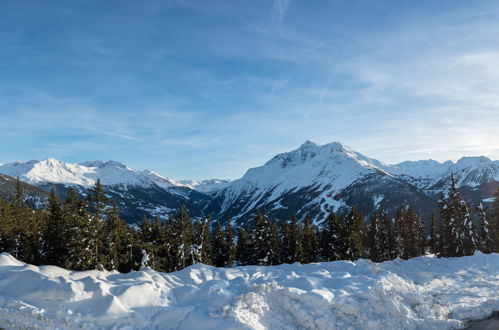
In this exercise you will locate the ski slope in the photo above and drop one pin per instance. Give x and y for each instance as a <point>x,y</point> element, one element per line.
<point>424,293</point>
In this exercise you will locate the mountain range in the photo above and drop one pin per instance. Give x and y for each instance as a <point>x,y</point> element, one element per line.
<point>310,180</point>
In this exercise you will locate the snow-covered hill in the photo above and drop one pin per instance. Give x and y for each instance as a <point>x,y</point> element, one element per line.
<point>420,293</point>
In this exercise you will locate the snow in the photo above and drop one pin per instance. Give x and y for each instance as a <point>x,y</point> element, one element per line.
<point>110,173</point>
<point>333,165</point>
<point>207,186</point>
<point>420,293</point>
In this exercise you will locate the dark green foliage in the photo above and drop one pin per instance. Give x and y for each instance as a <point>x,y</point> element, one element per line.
<point>484,230</point>
<point>381,240</point>
<point>308,242</point>
<point>355,232</point>
<point>88,234</point>
<point>433,238</point>
<point>410,236</point>
<point>218,248</point>
<point>244,253</point>
<point>261,236</point>
<point>457,232</point>
<point>494,223</point>
<point>334,236</point>
<point>290,233</point>
<point>56,233</point>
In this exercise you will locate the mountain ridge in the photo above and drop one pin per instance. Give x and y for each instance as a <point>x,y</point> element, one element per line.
<point>310,180</point>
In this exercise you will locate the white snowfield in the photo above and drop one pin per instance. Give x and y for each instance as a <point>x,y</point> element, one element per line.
<point>421,293</point>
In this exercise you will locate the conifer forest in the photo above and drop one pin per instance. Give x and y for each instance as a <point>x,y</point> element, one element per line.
<point>85,234</point>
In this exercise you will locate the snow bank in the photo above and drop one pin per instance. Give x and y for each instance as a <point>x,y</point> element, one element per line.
<point>422,292</point>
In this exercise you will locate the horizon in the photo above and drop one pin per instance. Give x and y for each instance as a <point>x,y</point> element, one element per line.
<point>208,90</point>
<point>179,180</point>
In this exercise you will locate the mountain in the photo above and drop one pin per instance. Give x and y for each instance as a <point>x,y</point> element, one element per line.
<point>311,180</point>
<point>209,186</point>
<point>32,195</point>
<point>137,193</point>
<point>317,179</point>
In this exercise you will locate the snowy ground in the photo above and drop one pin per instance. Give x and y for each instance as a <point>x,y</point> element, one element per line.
<point>424,293</point>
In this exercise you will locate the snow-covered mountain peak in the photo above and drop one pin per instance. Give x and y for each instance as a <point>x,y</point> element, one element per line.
<point>476,161</point>
<point>330,167</point>
<point>309,152</point>
<point>308,144</point>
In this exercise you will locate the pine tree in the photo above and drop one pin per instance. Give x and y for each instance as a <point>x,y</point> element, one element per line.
<point>355,248</point>
<point>245,245</point>
<point>457,231</point>
<point>115,243</point>
<point>410,234</point>
<point>467,231</point>
<point>308,242</point>
<point>291,233</point>
<point>201,245</point>
<point>334,244</point>
<point>83,248</point>
<point>275,245</point>
<point>495,223</point>
<point>218,246</point>
<point>56,234</point>
<point>433,238</point>
<point>229,247</point>
<point>444,243</point>
<point>182,250</point>
<point>7,227</point>
<point>261,236</point>
<point>97,200</point>
<point>380,236</point>
<point>484,238</point>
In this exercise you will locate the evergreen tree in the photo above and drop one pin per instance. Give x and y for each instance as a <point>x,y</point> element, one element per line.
<point>444,243</point>
<point>201,248</point>
<point>218,245</point>
<point>433,238</point>
<point>410,234</point>
<point>56,234</point>
<point>7,227</point>
<point>115,242</point>
<point>229,248</point>
<point>355,248</point>
<point>495,223</point>
<point>182,252</point>
<point>275,245</point>
<point>97,200</point>
<point>261,236</point>
<point>457,233</point>
<point>308,242</point>
<point>244,251</point>
<point>484,238</point>
<point>83,247</point>
<point>334,244</point>
<point>381,238</point>
<point>291,234</point>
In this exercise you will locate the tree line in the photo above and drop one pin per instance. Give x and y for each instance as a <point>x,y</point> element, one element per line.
<point>84,234</point>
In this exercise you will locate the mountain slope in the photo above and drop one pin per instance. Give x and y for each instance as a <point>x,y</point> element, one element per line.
<point>311,180</point>
<point>137,193</point>
<point>32,195</point>
<point>315,180</point>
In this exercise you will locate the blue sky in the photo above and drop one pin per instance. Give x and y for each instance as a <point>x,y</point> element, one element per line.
<point>201,89</point>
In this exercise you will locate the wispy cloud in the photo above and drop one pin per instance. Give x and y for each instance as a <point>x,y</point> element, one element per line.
<point>279,8</point>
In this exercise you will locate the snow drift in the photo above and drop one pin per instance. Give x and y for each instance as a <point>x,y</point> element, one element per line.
<point>423,292</point>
